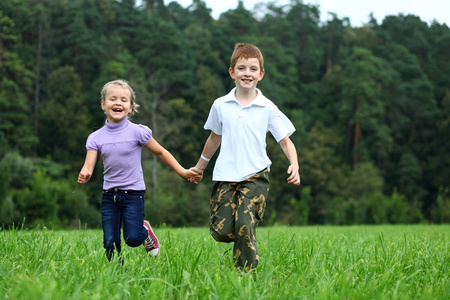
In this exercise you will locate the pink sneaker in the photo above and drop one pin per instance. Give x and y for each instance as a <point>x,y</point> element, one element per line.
<point>151,243</point>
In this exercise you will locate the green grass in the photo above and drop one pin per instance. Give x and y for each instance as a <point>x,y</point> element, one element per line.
<point>356,262</point>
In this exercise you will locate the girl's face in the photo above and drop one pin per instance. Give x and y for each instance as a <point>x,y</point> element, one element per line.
<point>246,73</point>
<point>117,104</point>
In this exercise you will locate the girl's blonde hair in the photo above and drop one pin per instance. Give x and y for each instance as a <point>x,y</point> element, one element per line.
<point>123,84</point>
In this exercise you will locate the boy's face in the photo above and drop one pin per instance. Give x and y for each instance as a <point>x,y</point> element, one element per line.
<point>246,73</point>
<point>117,104</point>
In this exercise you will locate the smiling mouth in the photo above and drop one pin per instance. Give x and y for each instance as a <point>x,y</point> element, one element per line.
<point>117,110</point>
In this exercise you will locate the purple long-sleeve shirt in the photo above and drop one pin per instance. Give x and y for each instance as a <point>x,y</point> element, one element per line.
<point>120,146</point>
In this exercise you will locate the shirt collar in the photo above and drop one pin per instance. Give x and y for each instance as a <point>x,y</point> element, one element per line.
<point>260,99</point>
<point>113,127</point>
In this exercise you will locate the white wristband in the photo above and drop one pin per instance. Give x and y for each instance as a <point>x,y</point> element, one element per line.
<point>204,158</point>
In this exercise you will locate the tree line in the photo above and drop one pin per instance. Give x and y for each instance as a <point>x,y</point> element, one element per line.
<point>371,106</point>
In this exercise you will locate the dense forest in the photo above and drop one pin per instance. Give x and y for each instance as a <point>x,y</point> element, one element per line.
<point>371,107</point>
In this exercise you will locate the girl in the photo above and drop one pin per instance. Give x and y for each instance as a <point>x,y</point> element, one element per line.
<point>119,143</point>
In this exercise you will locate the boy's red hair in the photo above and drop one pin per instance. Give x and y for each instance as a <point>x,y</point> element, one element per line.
<point>244,50</point>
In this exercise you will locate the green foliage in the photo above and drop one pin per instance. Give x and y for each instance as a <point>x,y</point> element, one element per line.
<point>64,125</point>
<point>238,23</point>
<point>370,104</point>
<point>301,207</point>
<point>375,209</point>
<point>364,181</point>
<point>53,169</point>
<point>409,172</point>
<point>342,212</point>
<point>48,201</point>
<point>37,203</point>
<point>279,82</point>
<point>202,48</point>
<point>15,128</point>
<point>178,202</point>
<point>9,214</point>
<point>321,169</point>
<point>15,173</point>
<point>12,67</point>
<point>440,212</point>
<point>363,84</point>
<point>303,20</point>
<point>438,175</point>
<point>396,209</point>
<point>16,170</point>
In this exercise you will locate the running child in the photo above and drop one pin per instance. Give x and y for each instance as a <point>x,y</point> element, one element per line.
<point>239,122</point>
<point>120,144</point>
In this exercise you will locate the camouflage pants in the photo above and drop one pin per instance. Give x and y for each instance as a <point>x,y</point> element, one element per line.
<point>236,209</point>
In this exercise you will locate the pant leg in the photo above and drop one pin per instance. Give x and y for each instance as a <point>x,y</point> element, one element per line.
<point>133,212</point>
<point>235,211</point>
<point>111,223</point>
<point>251,202</point>
<point>222,211</point>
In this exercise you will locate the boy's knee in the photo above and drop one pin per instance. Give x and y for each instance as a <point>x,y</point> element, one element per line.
<point>222,236</point>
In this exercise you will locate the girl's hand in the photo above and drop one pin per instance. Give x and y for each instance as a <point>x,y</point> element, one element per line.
<point>196,175</point>
<point>84,176</point>
<point>88,167</point>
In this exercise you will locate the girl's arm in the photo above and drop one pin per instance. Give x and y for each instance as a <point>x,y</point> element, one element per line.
<point>291,153</point>
<point>167,158</point>
<point>88,167</point>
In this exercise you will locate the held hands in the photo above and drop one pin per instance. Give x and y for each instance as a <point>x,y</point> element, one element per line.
<point>294,177</point>
<point>194,175</point>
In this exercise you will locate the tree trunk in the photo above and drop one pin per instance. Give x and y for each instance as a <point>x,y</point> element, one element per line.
<point>37,85</point>
<point>155,158</point>
<point>330,50</point>
<point>357,134</point>
<point>159,88</point>
<point>414,125</point>
<point>329,62</point>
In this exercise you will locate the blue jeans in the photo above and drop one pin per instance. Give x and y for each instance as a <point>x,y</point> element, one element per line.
<point>122,208</point>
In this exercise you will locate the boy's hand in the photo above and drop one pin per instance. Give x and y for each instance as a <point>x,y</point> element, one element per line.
<point>295,176</point>
<point>198,175</point>
<point>193,175</point>
<point>84,176</point>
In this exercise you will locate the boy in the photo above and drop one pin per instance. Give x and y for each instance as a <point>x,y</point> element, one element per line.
<point>239,122</point>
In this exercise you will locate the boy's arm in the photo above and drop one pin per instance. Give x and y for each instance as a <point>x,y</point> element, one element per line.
<point>211,146</point>
<point>291,153</point>
<point>88,167</point>
<point>167,158</point>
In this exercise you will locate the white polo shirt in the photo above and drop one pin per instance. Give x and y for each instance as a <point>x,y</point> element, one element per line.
<point>243,130</point>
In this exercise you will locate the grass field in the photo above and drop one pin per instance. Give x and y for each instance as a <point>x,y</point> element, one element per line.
<point>356,262</point>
